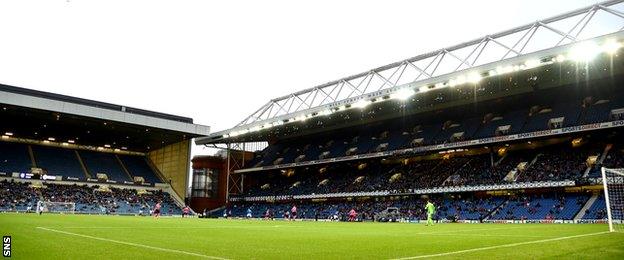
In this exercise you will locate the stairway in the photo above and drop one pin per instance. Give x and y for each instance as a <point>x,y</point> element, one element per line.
<point>500,160</point>
<point>585,207</point>
<point>83,166</point>
<point>599,161</point>
<point>526,168</point>
<point>495,210</point>
<point>123,167</point>
<point>32,157</point>
<point>450,177</point>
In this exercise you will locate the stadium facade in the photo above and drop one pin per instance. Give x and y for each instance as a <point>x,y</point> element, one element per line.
<point>489,129</point>
<point>51,144</point>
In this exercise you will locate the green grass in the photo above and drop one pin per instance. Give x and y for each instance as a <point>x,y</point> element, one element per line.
<point>108,238</point>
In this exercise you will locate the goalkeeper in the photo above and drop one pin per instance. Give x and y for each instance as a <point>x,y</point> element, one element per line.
<point>430,211</point>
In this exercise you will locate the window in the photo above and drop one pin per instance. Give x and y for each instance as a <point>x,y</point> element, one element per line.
<point>205,183</point>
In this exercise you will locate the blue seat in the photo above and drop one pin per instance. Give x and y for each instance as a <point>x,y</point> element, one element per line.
<point>138,166</point>
<point>57,161</point>
<point>104,163</point>
<point>14,157</point>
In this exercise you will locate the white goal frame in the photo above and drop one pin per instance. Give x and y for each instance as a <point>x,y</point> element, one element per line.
<point>51,207</point>
<point>605,185</point>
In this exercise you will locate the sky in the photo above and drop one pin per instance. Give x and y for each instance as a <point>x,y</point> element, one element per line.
<point>219,61</point>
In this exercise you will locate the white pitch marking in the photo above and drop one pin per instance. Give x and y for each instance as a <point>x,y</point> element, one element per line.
<point>133,244</point>
<point>201,227</point>
<point>467,230</point>
<point>501,246</point>
<point>479,235</point>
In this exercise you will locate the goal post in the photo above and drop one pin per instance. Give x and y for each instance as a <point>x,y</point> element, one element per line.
<point>56,207</point>
<point>613,184</point>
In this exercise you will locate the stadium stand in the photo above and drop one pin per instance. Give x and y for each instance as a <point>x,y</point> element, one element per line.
<point>138,166</point>
<point>14,158</point>
<point>65,162</point>
<point>526,207</point>
<point>535,161</point>
<point>104,163</point>
<point>550,206</point>
<point>22,196</point>
<point>58,161</point>
<point>553,162</point>
<point>598,210</point>
<point>430,130</point>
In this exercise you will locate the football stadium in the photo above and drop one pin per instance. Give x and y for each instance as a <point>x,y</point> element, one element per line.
<point>506,146</point>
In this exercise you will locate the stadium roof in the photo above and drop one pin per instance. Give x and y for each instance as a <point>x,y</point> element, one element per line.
<point>522,48</point>
<point>37,115</point>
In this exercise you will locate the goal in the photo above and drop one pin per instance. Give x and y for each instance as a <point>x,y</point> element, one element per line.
<point>613,183</point>
<point>56,207</point>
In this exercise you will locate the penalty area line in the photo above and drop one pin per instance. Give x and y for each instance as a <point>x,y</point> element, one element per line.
<point>500,246</point>
<point>132,244</point>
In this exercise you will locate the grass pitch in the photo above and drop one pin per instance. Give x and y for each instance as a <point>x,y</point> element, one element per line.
<point>116,237</point>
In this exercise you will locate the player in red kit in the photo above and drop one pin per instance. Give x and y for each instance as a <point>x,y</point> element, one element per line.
<point>157,210</point>
<point>185,211</point>
<point>352,215</point>
<point>293,213</point>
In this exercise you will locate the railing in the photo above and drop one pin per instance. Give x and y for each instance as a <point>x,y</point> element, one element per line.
<point>452,189</point>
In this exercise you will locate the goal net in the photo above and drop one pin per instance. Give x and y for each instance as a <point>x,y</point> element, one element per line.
<point>56,207</point>
<point>613,182</point>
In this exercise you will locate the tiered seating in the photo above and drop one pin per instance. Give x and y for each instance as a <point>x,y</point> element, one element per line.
<point>600,109</point>
<point>104,163</point>
<point>542,207</point>
<point>598,210</point>
<point>15,196</point>
<point>137,166</point>
<point>515,119</point>
<point>545,206</point>
<point>557,163</point>
<point>58,161</point>
<point>436,130</point>
<point>472,209</point>
<point>14,158</point>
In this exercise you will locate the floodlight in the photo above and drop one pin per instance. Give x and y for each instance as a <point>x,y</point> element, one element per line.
<point>584,52</point>
<point>611,46</point>
<point>532,63</point>
<point>325,112</point>
<point>452,83</point>
<point>460,80</point>
<point>403,94</point>
<point>474,77</point>
<point>361,104</point>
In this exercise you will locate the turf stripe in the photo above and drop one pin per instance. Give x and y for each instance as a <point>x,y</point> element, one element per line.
<point>501,246</point>
<point>133,244</point>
